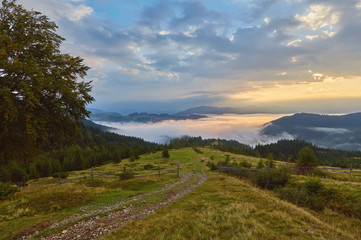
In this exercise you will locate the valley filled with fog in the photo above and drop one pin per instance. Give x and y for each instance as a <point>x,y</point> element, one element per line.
<point>243,128</point>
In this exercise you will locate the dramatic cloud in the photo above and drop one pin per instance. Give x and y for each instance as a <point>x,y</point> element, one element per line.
<point>319,16</point>
<point>154,54</point>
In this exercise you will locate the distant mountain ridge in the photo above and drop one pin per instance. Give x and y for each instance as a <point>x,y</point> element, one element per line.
<point>140,117</point>
<point>339,132</point>
<point>219,110</point>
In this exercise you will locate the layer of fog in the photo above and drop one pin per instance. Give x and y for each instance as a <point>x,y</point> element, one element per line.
<point>330,130</point>
<point>243,128</point>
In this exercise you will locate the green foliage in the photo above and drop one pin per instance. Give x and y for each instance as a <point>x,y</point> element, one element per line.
<point>261,164</point>
<point>272,178</point>
<point>61,175</point>
<point>300,197</point>
<point>314,186</point>
<point>306,161</point>
<point>55,201</point>
<point>95,148</point>
<point>212,166</point>
<point>7,190</point>
<point>197,150</point>
<point>92,182</point>
<point>148,166</point>
<point>316,172</point>
<point>315,195</point>
<point>126,175</point>
<point>42,100</point>
<point>270,156</point>
<point>231,146</point>
<point>165,152</point>
<point>307,158</point>
<point>17,173</point>
<point>270,163</point>
<point>245,164</point>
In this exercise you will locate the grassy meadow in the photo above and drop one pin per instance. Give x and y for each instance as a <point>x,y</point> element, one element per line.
<point>224,207</point>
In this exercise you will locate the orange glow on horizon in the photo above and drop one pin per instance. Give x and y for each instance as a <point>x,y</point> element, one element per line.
<point>329,88</point>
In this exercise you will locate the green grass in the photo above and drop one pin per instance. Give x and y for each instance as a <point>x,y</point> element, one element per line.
<point>223,208</point>
<point>221,156</point>
<point>38,205</point>
<point>230,208</point>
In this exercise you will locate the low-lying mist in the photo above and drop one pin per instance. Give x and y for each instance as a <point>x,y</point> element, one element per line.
<point>243,128</point>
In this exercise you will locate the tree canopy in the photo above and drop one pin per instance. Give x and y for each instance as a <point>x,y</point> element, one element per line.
<point>307,158</point>
<point>42,100</point>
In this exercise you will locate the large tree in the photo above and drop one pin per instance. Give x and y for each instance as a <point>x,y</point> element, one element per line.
<point>42,95</point>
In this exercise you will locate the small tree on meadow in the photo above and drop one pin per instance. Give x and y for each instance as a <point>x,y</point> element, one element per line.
<point>260,164</point>
<point>165,152</point>
<point>306,161</point>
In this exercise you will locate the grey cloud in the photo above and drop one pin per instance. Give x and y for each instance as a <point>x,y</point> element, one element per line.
<point>255,54</point>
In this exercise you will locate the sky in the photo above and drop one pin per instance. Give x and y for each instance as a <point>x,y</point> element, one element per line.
<point>281,56</point>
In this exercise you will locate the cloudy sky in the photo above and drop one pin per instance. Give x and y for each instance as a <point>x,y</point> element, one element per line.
<point>169,55</point>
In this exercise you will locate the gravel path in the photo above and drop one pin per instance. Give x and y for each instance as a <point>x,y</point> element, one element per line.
<point>111,218</point>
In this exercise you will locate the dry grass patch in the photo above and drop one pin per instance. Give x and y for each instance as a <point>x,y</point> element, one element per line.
<point>229,208</point>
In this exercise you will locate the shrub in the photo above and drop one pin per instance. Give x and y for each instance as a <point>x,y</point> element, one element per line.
<point>126,175</point>
<point>260,164</point>
<point>148,166</point>
<point>272,178</point>
<point>306,161</point>
<point>17,173</point>
<point>300,197</point>
<point>319,173</point>
<point>212,166</point>
<point>245,164</point>
<point>295,195</point>
<point>165,152</point>
<point>7,190</point>
<point>197,150</point>
<point>61,175</point>
<point>314,186</point>
<point>92,182</point>
<point>271,163</point>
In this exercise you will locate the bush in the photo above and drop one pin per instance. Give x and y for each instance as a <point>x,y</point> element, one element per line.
<point>272,178</point>
<point>92,182</point>
<point>165,152</point>
<point>61,175</point>
<point>126,175</point>
<point>306,161</point>
<point>319,173</point>
<point>148,166</point>
<point>212,166</point>
<point>300,197</point>
<point>245,164</point>
<point>261,164</point>
<point>314,186</point>
<point>197,150</point>
<point>7,190</point>
<point>17,173</point>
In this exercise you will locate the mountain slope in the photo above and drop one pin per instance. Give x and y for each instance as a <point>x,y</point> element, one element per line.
<point>219,110</point>
<point>340,132</point>
<point>140,117</point>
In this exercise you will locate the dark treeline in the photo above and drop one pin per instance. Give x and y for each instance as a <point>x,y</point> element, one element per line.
<point>287,150</point>
<point>283,150</point>
<point>97,147</point>
<point>94,148</point>
<point>231,146</point>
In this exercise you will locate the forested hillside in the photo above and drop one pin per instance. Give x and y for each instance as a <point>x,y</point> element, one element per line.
<point>95,147</point>
<point>338,132</point>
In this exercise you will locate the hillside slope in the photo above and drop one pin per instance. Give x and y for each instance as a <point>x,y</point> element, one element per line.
<point>339,132</point>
